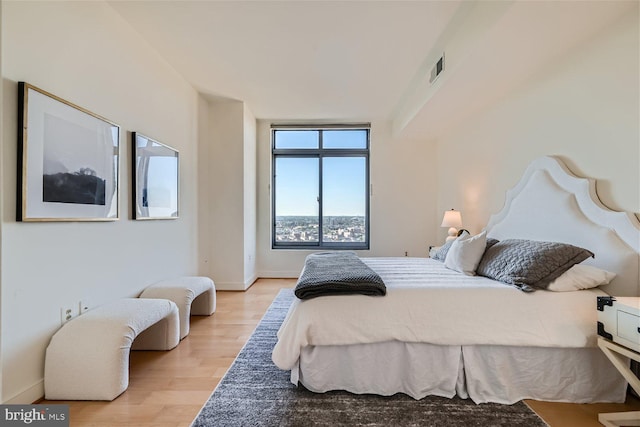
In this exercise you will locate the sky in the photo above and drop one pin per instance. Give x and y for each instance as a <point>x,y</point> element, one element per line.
<point>344,186</point>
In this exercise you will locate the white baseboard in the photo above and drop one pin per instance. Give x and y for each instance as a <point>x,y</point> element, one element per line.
<point>279,274</point>
<point>28,396</point>
<point>248,283</point>
<point>230,286</point>
<point>238,286</point>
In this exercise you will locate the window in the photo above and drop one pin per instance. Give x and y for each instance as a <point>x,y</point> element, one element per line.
<point>320,187</point>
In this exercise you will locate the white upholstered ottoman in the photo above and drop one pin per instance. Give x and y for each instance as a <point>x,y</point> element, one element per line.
<point>192,295</point>
<point>88,358</point>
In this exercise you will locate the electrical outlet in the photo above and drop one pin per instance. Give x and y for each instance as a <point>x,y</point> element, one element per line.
<point>67,313</point>
<point>84,305</point>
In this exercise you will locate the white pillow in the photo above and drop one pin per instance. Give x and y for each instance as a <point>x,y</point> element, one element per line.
<point>465,253</point>
<point>581,277</point>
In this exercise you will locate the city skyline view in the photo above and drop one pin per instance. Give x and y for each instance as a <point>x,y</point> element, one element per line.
<point>336,229</point>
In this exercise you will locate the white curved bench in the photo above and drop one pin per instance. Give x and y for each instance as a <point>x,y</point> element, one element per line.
<point>192,295</point>
<point>88,358</point>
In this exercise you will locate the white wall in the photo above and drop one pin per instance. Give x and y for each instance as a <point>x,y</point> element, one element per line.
<point>205,234</point>
<point>584,107</point>
<point>85,53</point>
<point>221,196</point>
<point>250,196</point>
<point>402,208</point>
<point>227,201</point>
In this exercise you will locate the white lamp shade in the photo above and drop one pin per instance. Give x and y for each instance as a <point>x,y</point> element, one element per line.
<point>452,218</point>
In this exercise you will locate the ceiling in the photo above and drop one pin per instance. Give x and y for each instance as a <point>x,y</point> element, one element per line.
<point>363,60</point>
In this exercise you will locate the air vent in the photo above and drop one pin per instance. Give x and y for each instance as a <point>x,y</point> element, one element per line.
<point>437,69</point>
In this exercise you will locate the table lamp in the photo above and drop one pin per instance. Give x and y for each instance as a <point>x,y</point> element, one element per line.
<point>453,220</point>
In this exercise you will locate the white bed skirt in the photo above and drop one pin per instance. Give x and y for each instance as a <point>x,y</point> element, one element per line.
<point>497,374</point>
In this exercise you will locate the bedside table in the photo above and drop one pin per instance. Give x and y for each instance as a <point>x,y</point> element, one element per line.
<point>619,339</point>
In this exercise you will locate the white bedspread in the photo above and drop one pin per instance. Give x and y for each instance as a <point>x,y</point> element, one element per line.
<point>429,303</point>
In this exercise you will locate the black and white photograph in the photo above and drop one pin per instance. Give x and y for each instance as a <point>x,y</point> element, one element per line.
<point>69,161</point>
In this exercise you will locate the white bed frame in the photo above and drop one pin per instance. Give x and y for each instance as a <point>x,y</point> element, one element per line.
<point>549,203</point>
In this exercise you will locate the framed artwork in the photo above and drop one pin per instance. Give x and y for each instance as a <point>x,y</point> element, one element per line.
<point>68,160</point>
<point>156,169</point>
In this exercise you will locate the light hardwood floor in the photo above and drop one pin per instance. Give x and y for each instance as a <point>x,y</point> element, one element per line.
<point>169,388</point>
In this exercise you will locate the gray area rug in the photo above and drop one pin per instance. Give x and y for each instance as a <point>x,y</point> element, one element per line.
<point>254,392</point>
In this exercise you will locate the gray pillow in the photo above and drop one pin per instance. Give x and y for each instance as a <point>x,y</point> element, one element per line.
<point>441,254</point>
<point>529,264</point>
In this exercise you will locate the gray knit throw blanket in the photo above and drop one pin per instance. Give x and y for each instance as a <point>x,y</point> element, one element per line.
<point>337,273</point>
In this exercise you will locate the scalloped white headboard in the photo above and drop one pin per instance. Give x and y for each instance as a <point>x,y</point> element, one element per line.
<point>551,203</point>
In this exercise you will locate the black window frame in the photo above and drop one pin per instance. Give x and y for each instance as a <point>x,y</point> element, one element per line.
<point>320,153</point>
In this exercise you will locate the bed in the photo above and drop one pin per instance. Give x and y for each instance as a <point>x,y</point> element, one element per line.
<point>440,332</point>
